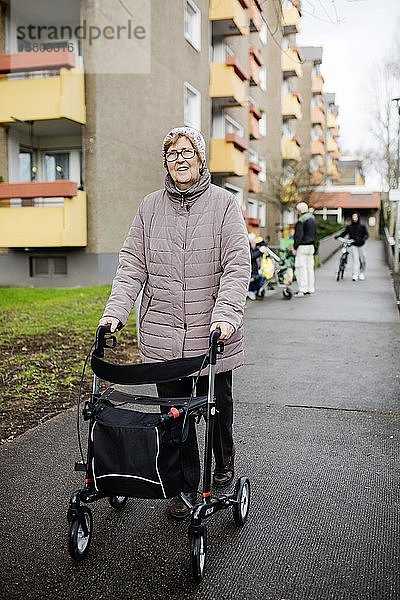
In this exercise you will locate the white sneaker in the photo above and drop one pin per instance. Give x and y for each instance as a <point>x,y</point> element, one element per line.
<point>361,277</point>
<point>299,295</point>
<point>355,277</point>
<point>251,295</point>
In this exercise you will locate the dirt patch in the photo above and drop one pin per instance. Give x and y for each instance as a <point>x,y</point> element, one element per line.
<point>40,377</point>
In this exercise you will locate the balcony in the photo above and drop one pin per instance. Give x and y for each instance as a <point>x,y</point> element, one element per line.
<point>254,183</point>
<point>317,147</point>
<point>289,193</point>
<point>59,220</point>
<point>331,144</point>
<point>317,116</point>
<point>228,83</point>
<point>290,149</point>
<point>332,171</point>
<point>317,84</point>
<point>291,63</point>
<point>228,156</point>
<point>291,106</point>
<point>331,120</point>
<point>254,118</point>
<point>255,11</point>
<point>255,63</point>
<point>57,95</point>
<point>229,17</point>
<point>290,20</point>
<point>317,177</point>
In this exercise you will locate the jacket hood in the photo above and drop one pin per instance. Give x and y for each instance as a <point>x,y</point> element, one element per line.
<point>190,195</point>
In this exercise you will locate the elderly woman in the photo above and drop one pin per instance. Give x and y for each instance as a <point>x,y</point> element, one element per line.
<point>188,248</point>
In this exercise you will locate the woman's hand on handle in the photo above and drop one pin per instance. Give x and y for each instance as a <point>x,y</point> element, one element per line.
<point>227,329</point>
<point>113,322</point>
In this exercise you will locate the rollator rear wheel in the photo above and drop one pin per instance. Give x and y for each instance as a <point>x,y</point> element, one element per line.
<point>241,508</point>
<point>287,293</point>
<point>80,533</point>
<point>198,551</point>
<point>118,502</point>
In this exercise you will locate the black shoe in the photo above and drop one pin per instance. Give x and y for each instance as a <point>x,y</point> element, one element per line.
<point>176,509</point>
<point>223,476</point>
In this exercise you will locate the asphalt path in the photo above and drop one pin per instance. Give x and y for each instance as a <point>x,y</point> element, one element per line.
<point>317,432</point>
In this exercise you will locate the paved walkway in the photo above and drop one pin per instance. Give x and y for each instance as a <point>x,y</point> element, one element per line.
<point>317,431</point>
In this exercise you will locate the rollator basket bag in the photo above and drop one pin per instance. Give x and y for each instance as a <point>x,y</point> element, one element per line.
<point>136,455</point>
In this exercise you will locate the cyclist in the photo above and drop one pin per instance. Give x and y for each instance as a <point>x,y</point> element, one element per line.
<point>357,232</point>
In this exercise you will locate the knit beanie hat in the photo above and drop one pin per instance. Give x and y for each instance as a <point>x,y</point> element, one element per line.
<point>194,135</point>
<point>302,207</point>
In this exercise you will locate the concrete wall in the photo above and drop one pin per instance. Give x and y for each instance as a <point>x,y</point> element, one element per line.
<point>128,116</point>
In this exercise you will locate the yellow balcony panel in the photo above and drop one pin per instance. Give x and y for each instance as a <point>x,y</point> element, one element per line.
<point>289,193</point>
<point>317,147</point>
<point>291,106</point>
<point>332,171</point>
<point>227,86</point>
<point>57,97</point>
<point>291,63</point>
<point>227,158</point>
<point>317,84</point>
<point>45,226</point>
<point>229,17</point>
<point>331,145</point>
<point>290,149</point>
<point>290,20</point>
<point>331,120</point>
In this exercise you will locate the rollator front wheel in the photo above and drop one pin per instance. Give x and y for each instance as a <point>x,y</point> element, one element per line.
<point>287,293</point>
<point>198,551</point>
<point>118,502</point>
<point>241,508</point>
<point>80,533</point>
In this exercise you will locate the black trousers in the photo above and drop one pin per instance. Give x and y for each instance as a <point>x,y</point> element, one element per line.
<point>223,439</point>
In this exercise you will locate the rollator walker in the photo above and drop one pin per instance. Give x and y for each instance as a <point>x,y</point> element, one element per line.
<point>137,454</point>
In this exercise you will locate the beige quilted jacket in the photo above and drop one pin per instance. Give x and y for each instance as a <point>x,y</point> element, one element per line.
<point>191,254</point>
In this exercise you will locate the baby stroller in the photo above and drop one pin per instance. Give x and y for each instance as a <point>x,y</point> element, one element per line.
<point>133,454</point>
<point>277,271</point>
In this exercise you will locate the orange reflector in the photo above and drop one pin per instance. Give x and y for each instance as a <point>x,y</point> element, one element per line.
<point>206,494</point>
<point>88,480</point>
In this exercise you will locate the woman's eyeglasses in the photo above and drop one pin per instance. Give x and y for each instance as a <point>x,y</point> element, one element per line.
<point>186,153</point>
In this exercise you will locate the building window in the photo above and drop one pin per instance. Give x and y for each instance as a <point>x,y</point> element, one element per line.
<point>263,166</point>
<point>263,34</point>
<point>263,78</point>
<point>47,266</point>
<point>252,209</point>
<point>232,126</point>
<point>253,156</point>
<point>191,106</point>
<point>193,24</point>
<point>56,165</point>
<point>262,124</point>
<point>262,213</point>
<point>236,191</point>
<point>27,171</point>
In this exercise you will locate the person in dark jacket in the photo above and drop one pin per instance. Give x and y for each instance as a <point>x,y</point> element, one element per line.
<point>357,232</point>
<point>303,249</point>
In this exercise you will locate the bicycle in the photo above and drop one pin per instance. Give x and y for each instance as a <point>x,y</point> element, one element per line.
<point>346,243</point>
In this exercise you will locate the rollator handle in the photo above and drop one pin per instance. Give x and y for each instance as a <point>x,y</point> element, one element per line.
<point>215,346</point>
<point>103,340</point>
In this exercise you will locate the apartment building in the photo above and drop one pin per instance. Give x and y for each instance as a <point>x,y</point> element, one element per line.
<point>351,171</point>
<point>319,129</point>
<point>82,120</point>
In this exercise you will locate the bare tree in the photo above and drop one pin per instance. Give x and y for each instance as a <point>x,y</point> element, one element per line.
<point>384,156</point>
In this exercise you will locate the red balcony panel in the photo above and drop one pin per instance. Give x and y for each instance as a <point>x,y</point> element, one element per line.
<point>254,167</point>
<point>36,61</point>
<point>238,142</point>
<point>256,55</point>
<point>39,189</point>
<point>232,61</point>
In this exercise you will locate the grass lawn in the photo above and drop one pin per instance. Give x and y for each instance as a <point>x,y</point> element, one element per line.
<point>44,337</point>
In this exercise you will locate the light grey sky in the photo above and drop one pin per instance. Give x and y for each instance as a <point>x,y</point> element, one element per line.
<point>356,36</point>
